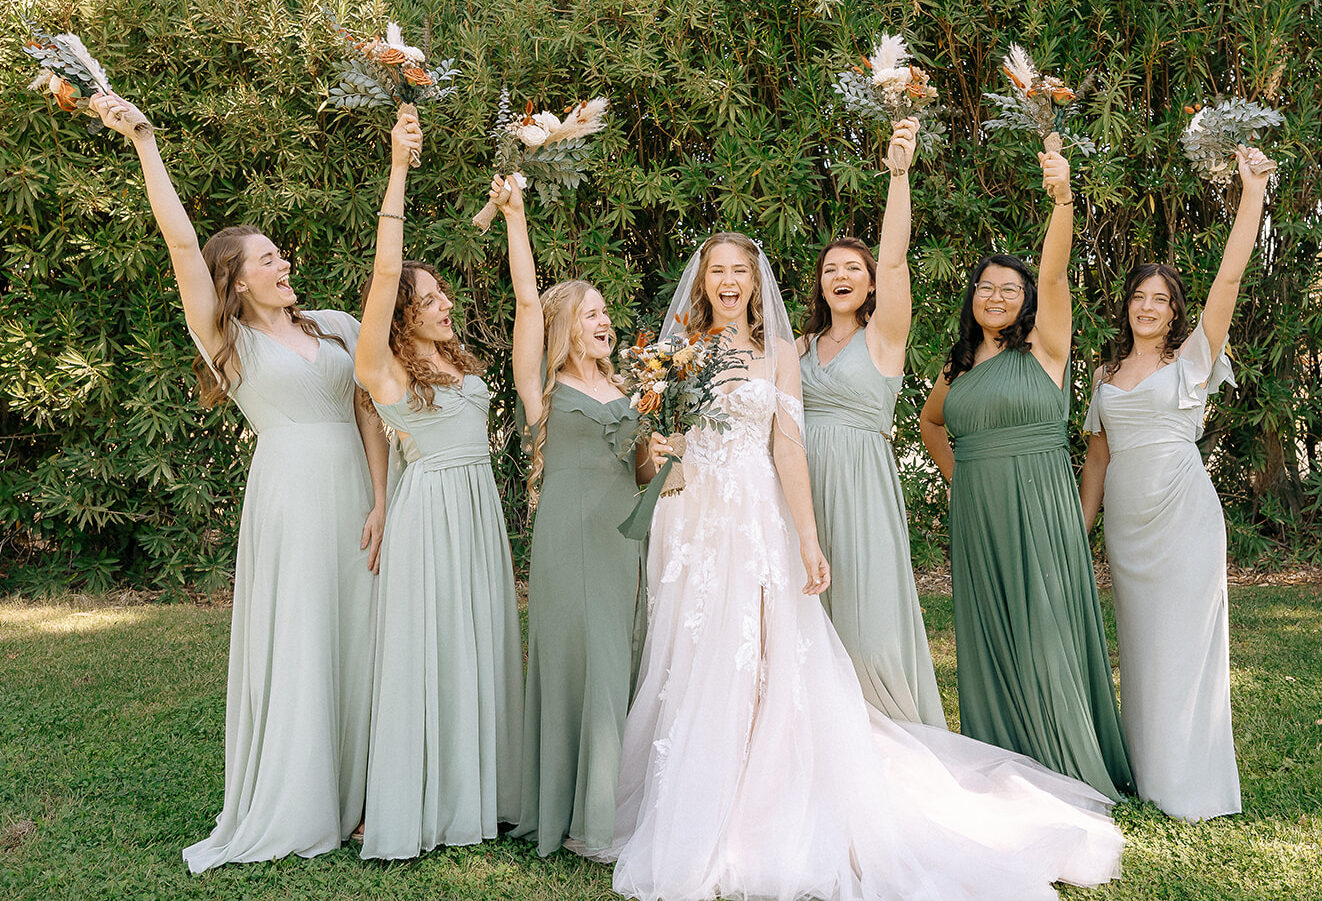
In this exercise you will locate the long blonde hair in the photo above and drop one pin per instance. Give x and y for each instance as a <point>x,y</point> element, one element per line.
<point>423,377</point>
<point>562,309</point>
<point>224,255</point>
<point>701,318</point>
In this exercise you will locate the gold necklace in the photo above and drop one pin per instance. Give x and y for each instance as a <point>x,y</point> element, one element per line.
<point>835,340</point>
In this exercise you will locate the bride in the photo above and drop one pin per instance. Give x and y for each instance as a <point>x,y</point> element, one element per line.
<point>751,767</point>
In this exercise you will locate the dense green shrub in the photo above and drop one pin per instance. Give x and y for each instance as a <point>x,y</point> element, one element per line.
<point>722,118</point>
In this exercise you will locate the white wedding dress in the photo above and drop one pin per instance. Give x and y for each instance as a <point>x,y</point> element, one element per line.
<point>752,768</point>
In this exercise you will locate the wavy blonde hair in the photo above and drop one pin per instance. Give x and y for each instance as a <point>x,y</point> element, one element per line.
<point>701,317</point>
<point>225,257</point>
<point>423,377</point>
<point>562,310</point>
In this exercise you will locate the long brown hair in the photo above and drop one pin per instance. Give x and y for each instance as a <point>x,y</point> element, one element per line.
<point>701,317</point>
<point>1175,334</point>
<point>225,257</point>
<point>819,311</point>
<point>562,310</point>
<point>423,377</point>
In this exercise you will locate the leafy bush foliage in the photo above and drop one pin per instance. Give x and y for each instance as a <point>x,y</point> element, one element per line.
<point>723,116</point>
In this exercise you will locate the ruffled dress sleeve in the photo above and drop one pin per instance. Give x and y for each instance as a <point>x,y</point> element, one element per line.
<point>1202,369</point>
<point>1092,422</point>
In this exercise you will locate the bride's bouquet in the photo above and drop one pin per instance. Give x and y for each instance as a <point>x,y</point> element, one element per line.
<point>888,88</point>
<point>1038,103</point>
<point>674,384</point>
<point>71,75</point>
<point>543,148</point>
<point>1215,132</point>
<point>387,72</point>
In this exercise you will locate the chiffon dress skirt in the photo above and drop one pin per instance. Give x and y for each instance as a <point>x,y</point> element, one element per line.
<point>584,608</point>
<point>849,409</point>
<point>1033,670</point>
<point>1166,543</point>
<point>753,768</point>
<point>298,694</point>
<point>447,697</point>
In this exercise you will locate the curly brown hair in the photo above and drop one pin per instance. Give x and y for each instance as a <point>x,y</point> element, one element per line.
<point>225,255</point>
<point>424,378</point>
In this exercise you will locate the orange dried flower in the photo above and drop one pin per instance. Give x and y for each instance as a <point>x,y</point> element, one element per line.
<point>649,402</point>
<point>66,95</point>
<point>867,63</point>
<point>1062,94</point>
<point>417,76</point>
<point>1017,83</point>
<point>392,57</point>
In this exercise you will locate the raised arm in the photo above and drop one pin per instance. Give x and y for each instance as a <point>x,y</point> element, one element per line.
<point>1055,320</point>
<point>374,364</point>
<point>792,467</point>
<point>932,426</point>
<point>1239,248</point>
<point>196,289</point>
<point>529,322</point>
<point>888,329</point>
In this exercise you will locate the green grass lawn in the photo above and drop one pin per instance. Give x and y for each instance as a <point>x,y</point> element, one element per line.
<point>111,734</point>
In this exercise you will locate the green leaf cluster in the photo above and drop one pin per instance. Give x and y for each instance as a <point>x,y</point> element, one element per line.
<point>723,116</point>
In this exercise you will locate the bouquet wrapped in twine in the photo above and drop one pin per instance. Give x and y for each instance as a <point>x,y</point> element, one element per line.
<point>72,76</point>
<point>387,72</point>
<point>1038,103</point>
<point>888,88</point>
<point>1215,132</point>
<point>674,384</point>
<point>543,148</point>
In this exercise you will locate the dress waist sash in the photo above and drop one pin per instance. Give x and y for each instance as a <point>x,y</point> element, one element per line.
<point>451,459</point>
<point>1011,441</point>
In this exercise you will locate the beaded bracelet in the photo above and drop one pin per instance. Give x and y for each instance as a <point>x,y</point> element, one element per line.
<point>383,213</point>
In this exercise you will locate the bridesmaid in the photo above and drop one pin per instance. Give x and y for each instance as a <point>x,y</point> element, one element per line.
<point>298,694</point>
<point>1033,671</point>
<point>585,582</point>
<point>1165,534</point>
<point>447,699</point>
<point>852,370</point>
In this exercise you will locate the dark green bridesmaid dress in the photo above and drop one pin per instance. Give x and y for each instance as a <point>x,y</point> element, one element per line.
<point>1033,670</point>
<point>586,618</point>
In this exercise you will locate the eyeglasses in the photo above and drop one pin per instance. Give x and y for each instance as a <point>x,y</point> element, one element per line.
<point>1009,292</point>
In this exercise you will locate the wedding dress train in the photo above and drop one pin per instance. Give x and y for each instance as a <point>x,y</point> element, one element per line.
<point>751,766</point>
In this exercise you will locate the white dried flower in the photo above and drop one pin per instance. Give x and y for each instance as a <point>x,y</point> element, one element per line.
<point>890,52</point>
<point>1020,66</point>
<point>532,135</point>
<point>395,38</point>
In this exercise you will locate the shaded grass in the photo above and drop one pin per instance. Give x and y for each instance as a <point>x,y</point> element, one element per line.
<point>111,761</point>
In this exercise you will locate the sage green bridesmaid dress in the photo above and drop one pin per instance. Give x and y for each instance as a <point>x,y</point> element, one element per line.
<point>586,609</point>
<point>1033,670</point>
<point>849,409</point>
<point>447,697</point>
<point>298,695</point>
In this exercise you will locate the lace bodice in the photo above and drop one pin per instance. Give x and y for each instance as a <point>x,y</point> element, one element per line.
<point>751,408</point>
